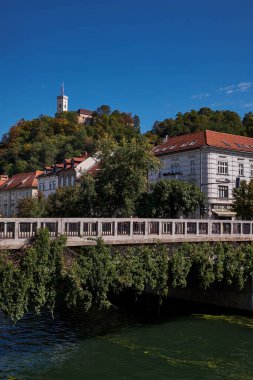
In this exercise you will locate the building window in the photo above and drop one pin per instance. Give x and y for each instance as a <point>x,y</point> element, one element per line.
<point>54,185</point>
<point>251,170</point>
<point>40,187</point>
<point>241,169</point>
<point>222,167</point>
<point>67,181</point>
<point>61,181</point>
<point>72,180</point>
<point>51,185</point>
<point>175,169</point>
<point>43,186</point>
<point>192,163</point>
<point>223,191</point>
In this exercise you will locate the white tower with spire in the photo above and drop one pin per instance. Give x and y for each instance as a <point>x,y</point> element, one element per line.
<point>62,101</point>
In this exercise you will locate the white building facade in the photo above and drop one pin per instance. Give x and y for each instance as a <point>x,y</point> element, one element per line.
<point>65,174</point>
<point>48,182</point>
<point>216,162</point>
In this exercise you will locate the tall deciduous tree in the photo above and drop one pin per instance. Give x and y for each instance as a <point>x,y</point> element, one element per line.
<point>168,198</point>
<point>243,200</point>
<point>123,176</point>
<point>248,123</point>
<point>78,201</point>
<point>34,207</point>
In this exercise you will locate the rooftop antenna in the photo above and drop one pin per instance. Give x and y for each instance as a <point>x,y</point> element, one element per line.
<point>62,88</point>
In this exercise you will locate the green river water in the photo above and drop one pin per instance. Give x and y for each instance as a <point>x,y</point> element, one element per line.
<point>117,346</point>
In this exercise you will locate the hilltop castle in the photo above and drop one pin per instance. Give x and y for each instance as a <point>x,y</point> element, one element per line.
<point>63,105</point>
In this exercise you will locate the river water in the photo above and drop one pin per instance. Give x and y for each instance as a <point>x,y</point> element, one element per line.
<point>116,345</point>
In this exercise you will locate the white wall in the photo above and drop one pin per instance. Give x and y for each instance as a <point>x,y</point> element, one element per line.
<point>206,171</point>
<point>48,184</point>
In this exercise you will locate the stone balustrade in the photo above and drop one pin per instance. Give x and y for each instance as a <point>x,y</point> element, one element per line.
<point>17,232</point>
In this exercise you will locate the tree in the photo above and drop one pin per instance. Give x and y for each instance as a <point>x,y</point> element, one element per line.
<point>104,110</point>
<point>64,203</point>
<point>79,201</point>
<point>248,123</point>
<point>201,120</point>
<point>168,198</point>
<point>123,176</point>
<point>137,123</point>
<point>243,200</point>
<point>34,207</point>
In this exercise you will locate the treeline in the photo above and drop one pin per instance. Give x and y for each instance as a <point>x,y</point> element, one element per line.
<point>201,120</point>
<point>34,279</point>
<point>33,144</point>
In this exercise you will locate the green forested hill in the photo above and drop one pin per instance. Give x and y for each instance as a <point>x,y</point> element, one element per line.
<point>32,144</point>
<point>203,119</point>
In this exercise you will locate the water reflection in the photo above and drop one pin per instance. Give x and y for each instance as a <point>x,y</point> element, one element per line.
<point>34,341</point>
<point>114,345</point>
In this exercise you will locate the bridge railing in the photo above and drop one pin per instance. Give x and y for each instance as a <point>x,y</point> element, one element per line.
<point>124,228</point>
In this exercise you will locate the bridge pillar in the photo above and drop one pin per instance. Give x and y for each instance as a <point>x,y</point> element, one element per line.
<point>16,231</point>
<point>146,228</point>
<point>160,228</point>
<point>99,230</point>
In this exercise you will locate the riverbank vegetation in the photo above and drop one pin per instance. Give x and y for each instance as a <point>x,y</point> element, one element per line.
<point>39,276</point>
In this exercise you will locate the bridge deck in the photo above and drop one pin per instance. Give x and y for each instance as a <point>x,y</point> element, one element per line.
<point>17,232</point>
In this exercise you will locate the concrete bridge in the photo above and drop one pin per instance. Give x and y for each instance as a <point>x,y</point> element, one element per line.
<point>16,232</point>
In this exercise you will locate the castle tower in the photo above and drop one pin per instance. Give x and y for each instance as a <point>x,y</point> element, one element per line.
<point>62,101</point>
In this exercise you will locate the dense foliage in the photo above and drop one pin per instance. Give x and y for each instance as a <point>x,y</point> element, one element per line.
<point>169,198</point>
<point>36,278</point>
<point>123,176</point>
<point>206,264</point>
<point>201,120</point>
<point>35,207</point>
<point>33,144</point>
<point>243,200</point>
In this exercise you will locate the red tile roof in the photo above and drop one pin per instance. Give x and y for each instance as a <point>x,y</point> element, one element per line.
<point>22,180</point>
<point>180,143</point>
<point>205,138</point>
<point>228,141</point>
<point>82,158</point>
<point>2,181</point>
<point>83,111</point>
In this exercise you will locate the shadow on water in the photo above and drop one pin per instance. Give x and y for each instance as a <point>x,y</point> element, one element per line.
<point>142,340</point>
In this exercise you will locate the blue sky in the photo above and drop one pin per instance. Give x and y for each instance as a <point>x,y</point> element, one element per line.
<point>152,58</point>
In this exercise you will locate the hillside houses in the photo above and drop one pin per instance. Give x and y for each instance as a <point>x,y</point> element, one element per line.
<point>27,185</point>
<point>16,188</point>
<point>66,174</point>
